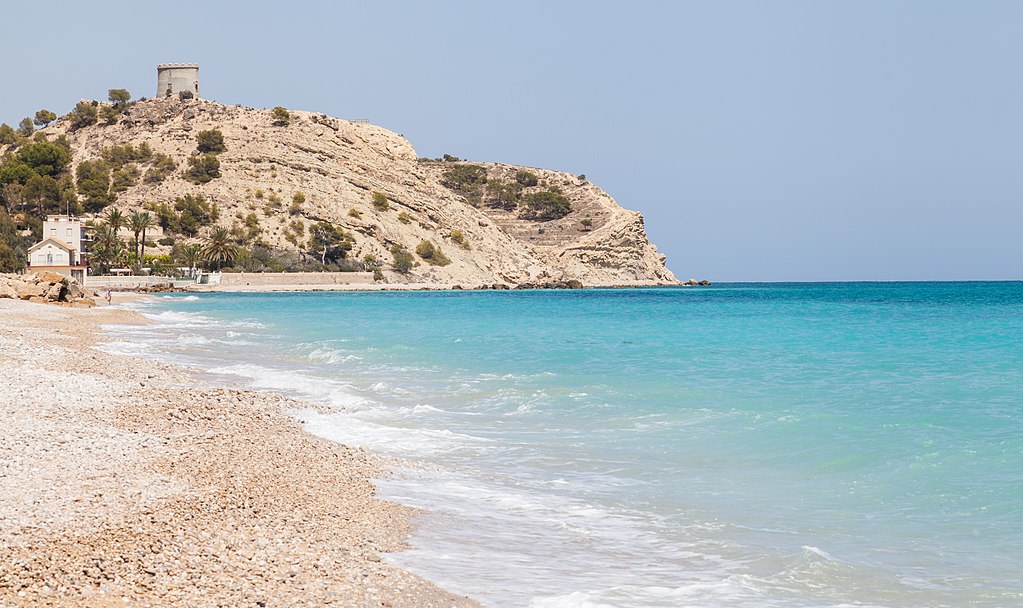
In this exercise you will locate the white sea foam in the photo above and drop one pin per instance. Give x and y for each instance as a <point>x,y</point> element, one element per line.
<point>294,382</point>
<point>333,357</point>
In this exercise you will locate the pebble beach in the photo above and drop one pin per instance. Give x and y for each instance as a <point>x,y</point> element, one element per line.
<point>126,482</point>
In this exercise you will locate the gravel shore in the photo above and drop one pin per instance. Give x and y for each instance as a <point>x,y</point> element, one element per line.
<point>126,483</point>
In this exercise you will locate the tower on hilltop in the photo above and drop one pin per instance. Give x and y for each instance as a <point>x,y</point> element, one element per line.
<point>176,78</point>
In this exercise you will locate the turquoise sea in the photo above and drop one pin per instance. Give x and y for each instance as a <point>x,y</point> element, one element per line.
<point>836,444</point>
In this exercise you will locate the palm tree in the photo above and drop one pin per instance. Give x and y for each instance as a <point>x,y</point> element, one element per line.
<point>140,222</point>
<point>191,254</point>
<point>219,249</point>
<point>116,220</point>
<point>106,246</point>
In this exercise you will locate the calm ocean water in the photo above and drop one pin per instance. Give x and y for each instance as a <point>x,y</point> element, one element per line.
<point>740,445</point>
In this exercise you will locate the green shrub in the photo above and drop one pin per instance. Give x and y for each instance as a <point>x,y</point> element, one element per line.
<point>109,114</point>
<point>83,115</point>
<point>355,213</point>
<point>166,241</point>
<point>380,202</point>
<point>44,117</point>
<point>467,180</point>
<point>45,158</point>
<point>25,127</point>
<point>193,213</point>
<point>119,97</point>
<point>503,196</point>
<point>259,194</point>
<point>527,179</point>
<point>458,237</point>
<point>93,178</point>
<point>378,275</point>
<point>450,159</point>
<point>274,199</point>
<point>297,200</point>
<point>404,218</point>
<point>281,116</point>
<point>211,141</point>
<point>124,178</point>
<point>432,254</point>
<point>329,241</point>
<point>402,259</point>
<point>587,223</point>
<point>546,205</point>
<point>581,177</point>
<point>162,166</point>
<point>7,135</point>
<point>185,95</point>
<point>203,169</point>
<point>118,156</point>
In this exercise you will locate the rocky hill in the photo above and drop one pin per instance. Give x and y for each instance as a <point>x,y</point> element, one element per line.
<point>277,180</point>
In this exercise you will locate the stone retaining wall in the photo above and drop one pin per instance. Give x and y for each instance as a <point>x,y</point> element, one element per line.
<point>295,278</point>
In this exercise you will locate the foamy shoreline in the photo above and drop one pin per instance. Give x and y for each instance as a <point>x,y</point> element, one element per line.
<point>125,482</point>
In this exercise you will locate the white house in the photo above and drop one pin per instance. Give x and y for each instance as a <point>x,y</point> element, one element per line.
<point>61,249</point>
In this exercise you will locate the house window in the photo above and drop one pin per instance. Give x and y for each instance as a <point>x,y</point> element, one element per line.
<point>53,232</point>
<point>69,233</point>
<point>49,259</point>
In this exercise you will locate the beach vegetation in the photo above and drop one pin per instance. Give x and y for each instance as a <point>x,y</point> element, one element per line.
<point>330,242</point>
<point>219,248</point>
<point>139,223</point>
<point>211,141</point>
<point>189,255</point>
<point>402,260</point>
<point>106,247</point>
<point>431,253</point>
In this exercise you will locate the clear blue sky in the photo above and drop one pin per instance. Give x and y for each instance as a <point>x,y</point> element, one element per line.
<point>762,140</point>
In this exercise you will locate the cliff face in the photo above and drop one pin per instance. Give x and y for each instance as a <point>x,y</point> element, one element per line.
<point>337,165</point>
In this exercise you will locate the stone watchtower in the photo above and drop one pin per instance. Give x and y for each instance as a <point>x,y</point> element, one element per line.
<point>175,78</point>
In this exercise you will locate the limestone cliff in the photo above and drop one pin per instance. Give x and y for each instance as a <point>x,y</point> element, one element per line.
<point>338,164</point>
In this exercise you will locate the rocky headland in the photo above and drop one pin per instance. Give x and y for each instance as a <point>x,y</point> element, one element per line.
<point>275,181</point>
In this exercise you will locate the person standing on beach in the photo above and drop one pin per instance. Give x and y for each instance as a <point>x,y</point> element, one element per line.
<point>109,296</point>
